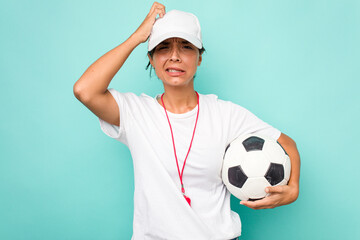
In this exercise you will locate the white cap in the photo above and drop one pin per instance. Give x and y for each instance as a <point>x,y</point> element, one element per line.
<point>176,23</point>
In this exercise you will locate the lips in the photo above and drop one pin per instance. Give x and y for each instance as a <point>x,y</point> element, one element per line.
<point>174,68</point>
<point>175,74</point>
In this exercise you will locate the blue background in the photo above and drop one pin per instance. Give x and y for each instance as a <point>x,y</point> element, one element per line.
<point>295,64</point>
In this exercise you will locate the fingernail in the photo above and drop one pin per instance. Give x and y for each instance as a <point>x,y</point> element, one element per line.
<point>267,190</point>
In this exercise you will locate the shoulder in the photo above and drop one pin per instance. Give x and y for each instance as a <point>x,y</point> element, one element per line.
<point>223,103</point>
<point>209,98</point>
<point>214,98</point>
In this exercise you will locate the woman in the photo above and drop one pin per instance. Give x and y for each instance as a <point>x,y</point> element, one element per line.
<point>176,129</point>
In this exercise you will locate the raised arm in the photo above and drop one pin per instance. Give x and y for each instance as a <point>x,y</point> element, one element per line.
<point>91,88</point>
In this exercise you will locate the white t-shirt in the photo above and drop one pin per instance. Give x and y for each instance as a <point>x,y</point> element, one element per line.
<point>160,210</point>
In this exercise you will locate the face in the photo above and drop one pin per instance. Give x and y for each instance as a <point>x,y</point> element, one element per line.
<point>175,61</point>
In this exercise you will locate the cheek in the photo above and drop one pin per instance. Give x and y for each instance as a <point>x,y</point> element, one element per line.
<point>158,61</point>
<point>195,62</point>
<point>194,58</point>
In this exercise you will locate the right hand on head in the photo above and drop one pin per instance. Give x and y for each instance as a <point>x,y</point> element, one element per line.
<point>144,30</point>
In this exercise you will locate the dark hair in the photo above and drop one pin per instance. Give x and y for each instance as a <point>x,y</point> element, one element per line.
<point>151,53</point>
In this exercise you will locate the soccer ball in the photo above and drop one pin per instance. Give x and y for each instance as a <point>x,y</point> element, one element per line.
<point>252,163</point>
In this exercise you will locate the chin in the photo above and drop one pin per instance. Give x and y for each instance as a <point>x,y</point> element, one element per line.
<point>177,82</point>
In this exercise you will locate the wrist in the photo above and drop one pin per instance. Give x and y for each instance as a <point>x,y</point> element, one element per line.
<point>134,40</point>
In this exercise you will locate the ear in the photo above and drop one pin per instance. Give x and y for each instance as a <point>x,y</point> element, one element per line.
<point>200,59</point>
<point>151,60</point>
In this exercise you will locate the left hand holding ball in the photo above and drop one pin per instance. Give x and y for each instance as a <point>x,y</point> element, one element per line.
<point>279,195</point>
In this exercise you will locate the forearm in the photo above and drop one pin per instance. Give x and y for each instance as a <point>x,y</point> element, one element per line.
<point>98,76</point>
<point>289,146</point>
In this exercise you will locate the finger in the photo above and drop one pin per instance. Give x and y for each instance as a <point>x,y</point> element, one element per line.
<point>152,8</point>
<point>155,7</point>
<point>258,204</point>
<point>161,14</point>
<point>276,189</point>
<point>160,11</point>
<point>249,204</point>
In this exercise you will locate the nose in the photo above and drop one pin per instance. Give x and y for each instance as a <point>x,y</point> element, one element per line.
<point>174,54</point>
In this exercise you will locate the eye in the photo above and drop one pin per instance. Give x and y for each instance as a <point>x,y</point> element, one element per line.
<point>188,47</point>
<point>162,47</point>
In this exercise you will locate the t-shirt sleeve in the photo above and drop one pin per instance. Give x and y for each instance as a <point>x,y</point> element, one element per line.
<point>113,131</point>
<point>242,122</point>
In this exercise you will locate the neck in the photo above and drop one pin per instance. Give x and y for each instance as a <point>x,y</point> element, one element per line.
<point>179,100</point>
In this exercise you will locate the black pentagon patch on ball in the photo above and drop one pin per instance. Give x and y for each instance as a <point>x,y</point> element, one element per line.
<point>275,173</point>
<point>236,176</point>
<point>253,144</point>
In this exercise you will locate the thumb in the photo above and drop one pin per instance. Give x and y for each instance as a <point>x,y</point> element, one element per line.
<point>275,189</point>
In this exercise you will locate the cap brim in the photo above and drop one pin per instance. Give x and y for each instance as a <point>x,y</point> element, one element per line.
<point>155,42</point>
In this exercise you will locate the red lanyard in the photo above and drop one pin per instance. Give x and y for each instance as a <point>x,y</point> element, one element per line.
<point>177,164</point>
